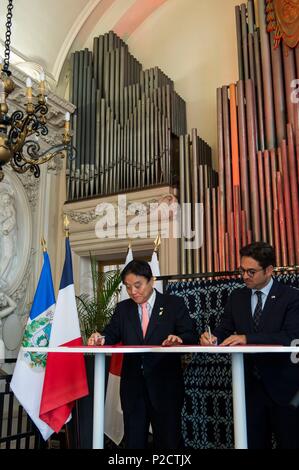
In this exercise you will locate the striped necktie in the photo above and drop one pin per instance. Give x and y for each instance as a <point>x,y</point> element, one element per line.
<point>258,310</point>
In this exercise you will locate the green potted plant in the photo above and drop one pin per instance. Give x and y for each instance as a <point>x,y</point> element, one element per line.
<point>95,309</point>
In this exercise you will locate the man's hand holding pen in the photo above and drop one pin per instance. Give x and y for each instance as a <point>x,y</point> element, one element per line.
<point>96,339</point>
<point>207,339</point>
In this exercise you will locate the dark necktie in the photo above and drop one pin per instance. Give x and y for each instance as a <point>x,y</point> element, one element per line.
<point>258,310</point>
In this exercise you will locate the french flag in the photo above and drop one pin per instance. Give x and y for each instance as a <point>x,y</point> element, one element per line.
<point>114,422</point>
<point>65,376</point>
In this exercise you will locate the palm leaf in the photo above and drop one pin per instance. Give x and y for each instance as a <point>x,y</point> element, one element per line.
<point>95,310</point>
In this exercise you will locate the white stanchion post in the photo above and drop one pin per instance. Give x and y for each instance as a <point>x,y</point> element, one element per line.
<point>239,403</point>
<point>99,401</point>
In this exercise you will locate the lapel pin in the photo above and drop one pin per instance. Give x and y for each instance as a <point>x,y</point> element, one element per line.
<point>273,296</point>
<point>161,311</point>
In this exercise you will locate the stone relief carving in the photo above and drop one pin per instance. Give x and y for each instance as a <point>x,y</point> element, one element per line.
<point>7,307</point>
<point>55,166</point>
<point>8,236</point>
<point>139,208</point>
<point>31,186</point>
<point>15,250</point>
<point>82,217</point>
<point>19,295</point>
<point>136,208</point>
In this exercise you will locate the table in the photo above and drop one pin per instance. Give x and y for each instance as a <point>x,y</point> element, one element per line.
<point>238,385</point>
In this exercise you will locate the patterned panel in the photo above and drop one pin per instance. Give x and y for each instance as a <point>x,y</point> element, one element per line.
<point>207,418</point>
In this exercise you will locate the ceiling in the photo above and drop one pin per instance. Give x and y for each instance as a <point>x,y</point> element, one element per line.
<point>45,32</point>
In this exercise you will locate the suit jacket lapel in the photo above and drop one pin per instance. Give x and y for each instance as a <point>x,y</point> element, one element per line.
<point>269,304</point>
<point>135,320</point>
<point>154,316</point>
<point>248,312</point>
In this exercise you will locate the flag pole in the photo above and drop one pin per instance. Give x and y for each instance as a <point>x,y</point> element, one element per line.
<point>44,245</point>
<point>66,224</point>
<point>157,243</point>
<point>155,264</point>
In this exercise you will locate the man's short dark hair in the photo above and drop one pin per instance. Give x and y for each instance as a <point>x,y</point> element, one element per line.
<point>137,267</point>
<point>261,252</point>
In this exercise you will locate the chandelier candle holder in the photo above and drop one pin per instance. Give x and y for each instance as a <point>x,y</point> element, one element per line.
<point>19,133</point>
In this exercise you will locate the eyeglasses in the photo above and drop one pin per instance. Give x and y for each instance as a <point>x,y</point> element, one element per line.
<point>249,272</point>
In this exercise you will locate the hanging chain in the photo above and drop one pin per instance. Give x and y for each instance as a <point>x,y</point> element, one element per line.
<point>7,37</point>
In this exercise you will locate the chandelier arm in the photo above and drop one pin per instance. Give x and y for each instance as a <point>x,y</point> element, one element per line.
<point>17,115</point>
<point>30,120</point>
<point>41,108</point>
<point>17,136</point>
<point>44,157</point>
<point>18,167</point>
<point>21,167</point>
<point>22,128</point>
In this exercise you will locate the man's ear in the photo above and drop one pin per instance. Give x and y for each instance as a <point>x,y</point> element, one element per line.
<point>270,269</point>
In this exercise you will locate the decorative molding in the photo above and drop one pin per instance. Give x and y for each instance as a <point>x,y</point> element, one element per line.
<point>82,217</point>
<point>137,208</point>
<point>19,295</point>
<point>55,165</point>
<point>19,78</point>
<point>52,139</point>
<point>140,208</point>
<point>31,186</point>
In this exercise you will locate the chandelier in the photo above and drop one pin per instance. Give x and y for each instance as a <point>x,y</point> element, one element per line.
<point>19,132</point>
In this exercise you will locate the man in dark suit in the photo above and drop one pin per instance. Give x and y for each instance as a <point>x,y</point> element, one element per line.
<point>266,312</point>
<point>152,387</point>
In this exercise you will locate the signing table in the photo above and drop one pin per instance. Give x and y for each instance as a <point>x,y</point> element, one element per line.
<point>239,411</point>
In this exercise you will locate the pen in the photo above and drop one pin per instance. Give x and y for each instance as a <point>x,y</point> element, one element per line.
<point>210,335</point>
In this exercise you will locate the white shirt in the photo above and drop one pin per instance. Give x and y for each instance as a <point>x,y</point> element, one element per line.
<point>265,291</point>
